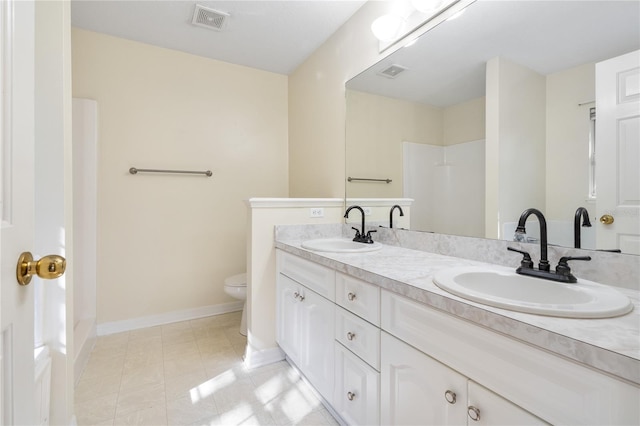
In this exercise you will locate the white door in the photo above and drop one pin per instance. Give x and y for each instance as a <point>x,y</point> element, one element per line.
<point>17,233</point>
<point>415,389</point>
<point>317,330</point>
<point>618,153</point>
<point>17,187</point>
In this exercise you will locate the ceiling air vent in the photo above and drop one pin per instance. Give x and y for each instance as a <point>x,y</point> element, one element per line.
<point>209,18</point>
<point>392,71</point>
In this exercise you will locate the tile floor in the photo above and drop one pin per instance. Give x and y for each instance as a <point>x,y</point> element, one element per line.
<point>190,373</point>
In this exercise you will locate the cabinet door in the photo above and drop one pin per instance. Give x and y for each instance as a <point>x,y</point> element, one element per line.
<point>288,317</point>
<point>316,341</point>
<point>415,389</point>
<point>356,397</point>
<point>492,409</point>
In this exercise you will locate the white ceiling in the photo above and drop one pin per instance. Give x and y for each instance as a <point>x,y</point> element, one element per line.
<point>274,36</point>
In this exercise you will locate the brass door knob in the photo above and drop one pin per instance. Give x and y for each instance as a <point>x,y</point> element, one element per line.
<point>606,219</point>
<point>48,268</point>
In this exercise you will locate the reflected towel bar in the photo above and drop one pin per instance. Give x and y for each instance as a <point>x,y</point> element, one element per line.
<point>134,171</point>
<point>351,179</point>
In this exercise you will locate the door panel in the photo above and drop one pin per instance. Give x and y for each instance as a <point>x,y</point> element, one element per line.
<point>618,152</point>
<point>418,390</point>
<point>17,229</point>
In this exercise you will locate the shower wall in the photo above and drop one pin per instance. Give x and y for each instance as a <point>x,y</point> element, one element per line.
<point>447,184</point>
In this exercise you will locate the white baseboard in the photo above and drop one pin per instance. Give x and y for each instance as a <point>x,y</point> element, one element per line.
<point>254,358</point>
<point>167,318</point>
<point>84,339</point>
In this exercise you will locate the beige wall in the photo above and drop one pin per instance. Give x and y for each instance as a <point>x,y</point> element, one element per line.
<point>166,242</point>
<point>568,140</point>
<point>464,122</point>
<point>317,105</point>
<point>376,127</point>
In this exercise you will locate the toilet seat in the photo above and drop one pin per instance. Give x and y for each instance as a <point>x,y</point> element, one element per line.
<point>239,280</point>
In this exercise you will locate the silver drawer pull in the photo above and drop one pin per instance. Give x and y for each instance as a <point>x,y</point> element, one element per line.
<point>474,413</point>
<point>351,296</point>
<point>295,295</point>
<point>351,336</point>
<point>301,298</point>
<point>450,396</point>
<point>351,396</point>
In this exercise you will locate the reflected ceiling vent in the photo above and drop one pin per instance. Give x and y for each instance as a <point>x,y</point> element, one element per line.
<point>392,71</point>
<point>209,18</point>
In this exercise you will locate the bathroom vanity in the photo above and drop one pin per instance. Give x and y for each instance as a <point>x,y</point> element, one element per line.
<point>383,345</point>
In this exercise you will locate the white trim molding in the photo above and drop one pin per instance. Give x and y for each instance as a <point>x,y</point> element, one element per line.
<point>168,317</point>
<point>269,203</point>
<point>254,358</point>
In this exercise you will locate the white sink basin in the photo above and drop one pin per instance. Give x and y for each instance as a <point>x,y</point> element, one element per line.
<point>503,288</point>
<point>339,245</point>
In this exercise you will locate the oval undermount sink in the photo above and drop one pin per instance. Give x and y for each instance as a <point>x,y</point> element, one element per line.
<point>503,288</point>
<point>339,245</point>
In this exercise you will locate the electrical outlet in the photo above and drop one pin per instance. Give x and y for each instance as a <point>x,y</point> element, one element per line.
<point>316,212</point>
<point>367,211</point>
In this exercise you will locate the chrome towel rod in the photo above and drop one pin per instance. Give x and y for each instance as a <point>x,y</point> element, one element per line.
<point>134,170</point>
<point>351,179</point>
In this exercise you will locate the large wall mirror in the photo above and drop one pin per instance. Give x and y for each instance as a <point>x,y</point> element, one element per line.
<point>496,111</point>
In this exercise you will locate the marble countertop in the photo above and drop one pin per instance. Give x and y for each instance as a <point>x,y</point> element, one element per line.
<point>611,345</point>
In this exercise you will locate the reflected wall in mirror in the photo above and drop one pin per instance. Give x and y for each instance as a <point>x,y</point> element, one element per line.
<point>493,113</point>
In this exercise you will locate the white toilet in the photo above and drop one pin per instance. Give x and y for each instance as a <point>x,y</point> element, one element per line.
<point>236,286</point>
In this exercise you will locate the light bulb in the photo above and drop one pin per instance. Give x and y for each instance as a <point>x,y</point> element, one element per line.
<point>387,27</point>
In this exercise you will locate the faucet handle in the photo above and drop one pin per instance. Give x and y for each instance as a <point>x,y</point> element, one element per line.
<point>368,238</point>
<point>564,269</point>
<point>358,236</point>
<point>526,261</point>
<point>563,265</point>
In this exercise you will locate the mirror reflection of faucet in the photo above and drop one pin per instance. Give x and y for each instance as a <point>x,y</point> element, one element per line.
<point>391,214</point>
<point>581,213</point>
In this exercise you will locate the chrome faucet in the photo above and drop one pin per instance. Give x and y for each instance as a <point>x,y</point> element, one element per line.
<point>584,214</point>
<point>360,237</point>
<point>391,214</point>
<point>562,272</point>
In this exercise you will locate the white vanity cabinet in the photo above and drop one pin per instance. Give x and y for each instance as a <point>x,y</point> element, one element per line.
<point>418,390</point>
<point>305,319</point>
<point>382,358</point>
<point>356,395</point>
<point>530,381</point>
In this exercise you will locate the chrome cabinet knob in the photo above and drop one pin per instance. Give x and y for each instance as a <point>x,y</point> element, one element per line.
<point>450,396</point>
<point>474,413</point>
<point>351,296</point>
<point>351,336</point>
<point>351,396</point>
<point>301,298</point>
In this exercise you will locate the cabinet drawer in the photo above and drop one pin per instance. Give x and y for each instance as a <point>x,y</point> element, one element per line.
<point>359,297</point>
<point>359,336</point>
<point>356,395</point>
<point>316,277</point>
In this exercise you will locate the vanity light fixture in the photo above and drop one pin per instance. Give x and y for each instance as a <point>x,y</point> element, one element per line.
<point>387,27</point>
